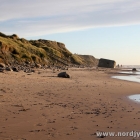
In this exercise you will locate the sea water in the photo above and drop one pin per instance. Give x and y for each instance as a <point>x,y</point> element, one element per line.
<point>133,76</point>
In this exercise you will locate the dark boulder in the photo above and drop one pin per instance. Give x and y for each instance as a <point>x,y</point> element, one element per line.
<point>63,75</point>
<point>1,69</point>
<point>2,65</point>
<point>32,70</point>
<point>134,69</point>
<point>8,69</point>
<point>15,69</point>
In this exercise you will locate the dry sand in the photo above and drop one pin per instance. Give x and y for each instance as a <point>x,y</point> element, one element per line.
<point>41,106</point>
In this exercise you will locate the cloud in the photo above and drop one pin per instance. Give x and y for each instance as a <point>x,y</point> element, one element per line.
<point>40,17</point>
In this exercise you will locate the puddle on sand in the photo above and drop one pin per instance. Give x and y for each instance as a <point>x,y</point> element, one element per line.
<point>135,97</point>
<point>132,78</point>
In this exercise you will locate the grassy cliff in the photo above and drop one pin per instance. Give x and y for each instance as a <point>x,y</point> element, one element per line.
<point>13,48</point>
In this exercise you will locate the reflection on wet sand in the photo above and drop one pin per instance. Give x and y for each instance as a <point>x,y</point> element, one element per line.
<point>132,78</point>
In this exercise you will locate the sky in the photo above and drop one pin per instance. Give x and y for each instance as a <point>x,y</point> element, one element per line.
<point>103,28</point>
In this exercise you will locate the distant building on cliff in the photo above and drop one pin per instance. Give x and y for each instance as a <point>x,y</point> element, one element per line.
<point>106,63</point>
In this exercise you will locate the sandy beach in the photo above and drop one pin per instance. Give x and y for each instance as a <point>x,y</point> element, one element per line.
<point>41,106</point>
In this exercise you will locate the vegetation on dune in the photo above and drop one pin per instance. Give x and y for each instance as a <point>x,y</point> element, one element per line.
<point>15,49</point>
<point>39,51</point>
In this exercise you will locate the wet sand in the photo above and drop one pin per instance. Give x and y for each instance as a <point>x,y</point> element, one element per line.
<point>41,106</point>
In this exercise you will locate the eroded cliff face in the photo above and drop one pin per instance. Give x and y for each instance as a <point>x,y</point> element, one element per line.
<point>89,60</point>
<point>13,48</point>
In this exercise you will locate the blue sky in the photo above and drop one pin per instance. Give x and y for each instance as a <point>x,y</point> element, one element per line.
<point>104,28</point>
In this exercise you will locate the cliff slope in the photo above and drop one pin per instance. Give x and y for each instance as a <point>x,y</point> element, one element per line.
<point>13,48</point>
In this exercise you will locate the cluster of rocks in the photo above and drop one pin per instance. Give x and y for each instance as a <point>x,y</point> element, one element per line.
<point>28,68</point>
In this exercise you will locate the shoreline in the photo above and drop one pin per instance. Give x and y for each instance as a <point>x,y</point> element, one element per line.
<point>60,108</point>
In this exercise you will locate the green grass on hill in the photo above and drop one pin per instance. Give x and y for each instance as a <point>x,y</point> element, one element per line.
<point>14,48</point>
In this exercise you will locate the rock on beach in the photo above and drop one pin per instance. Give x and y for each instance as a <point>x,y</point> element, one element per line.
<point>63,75</point>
